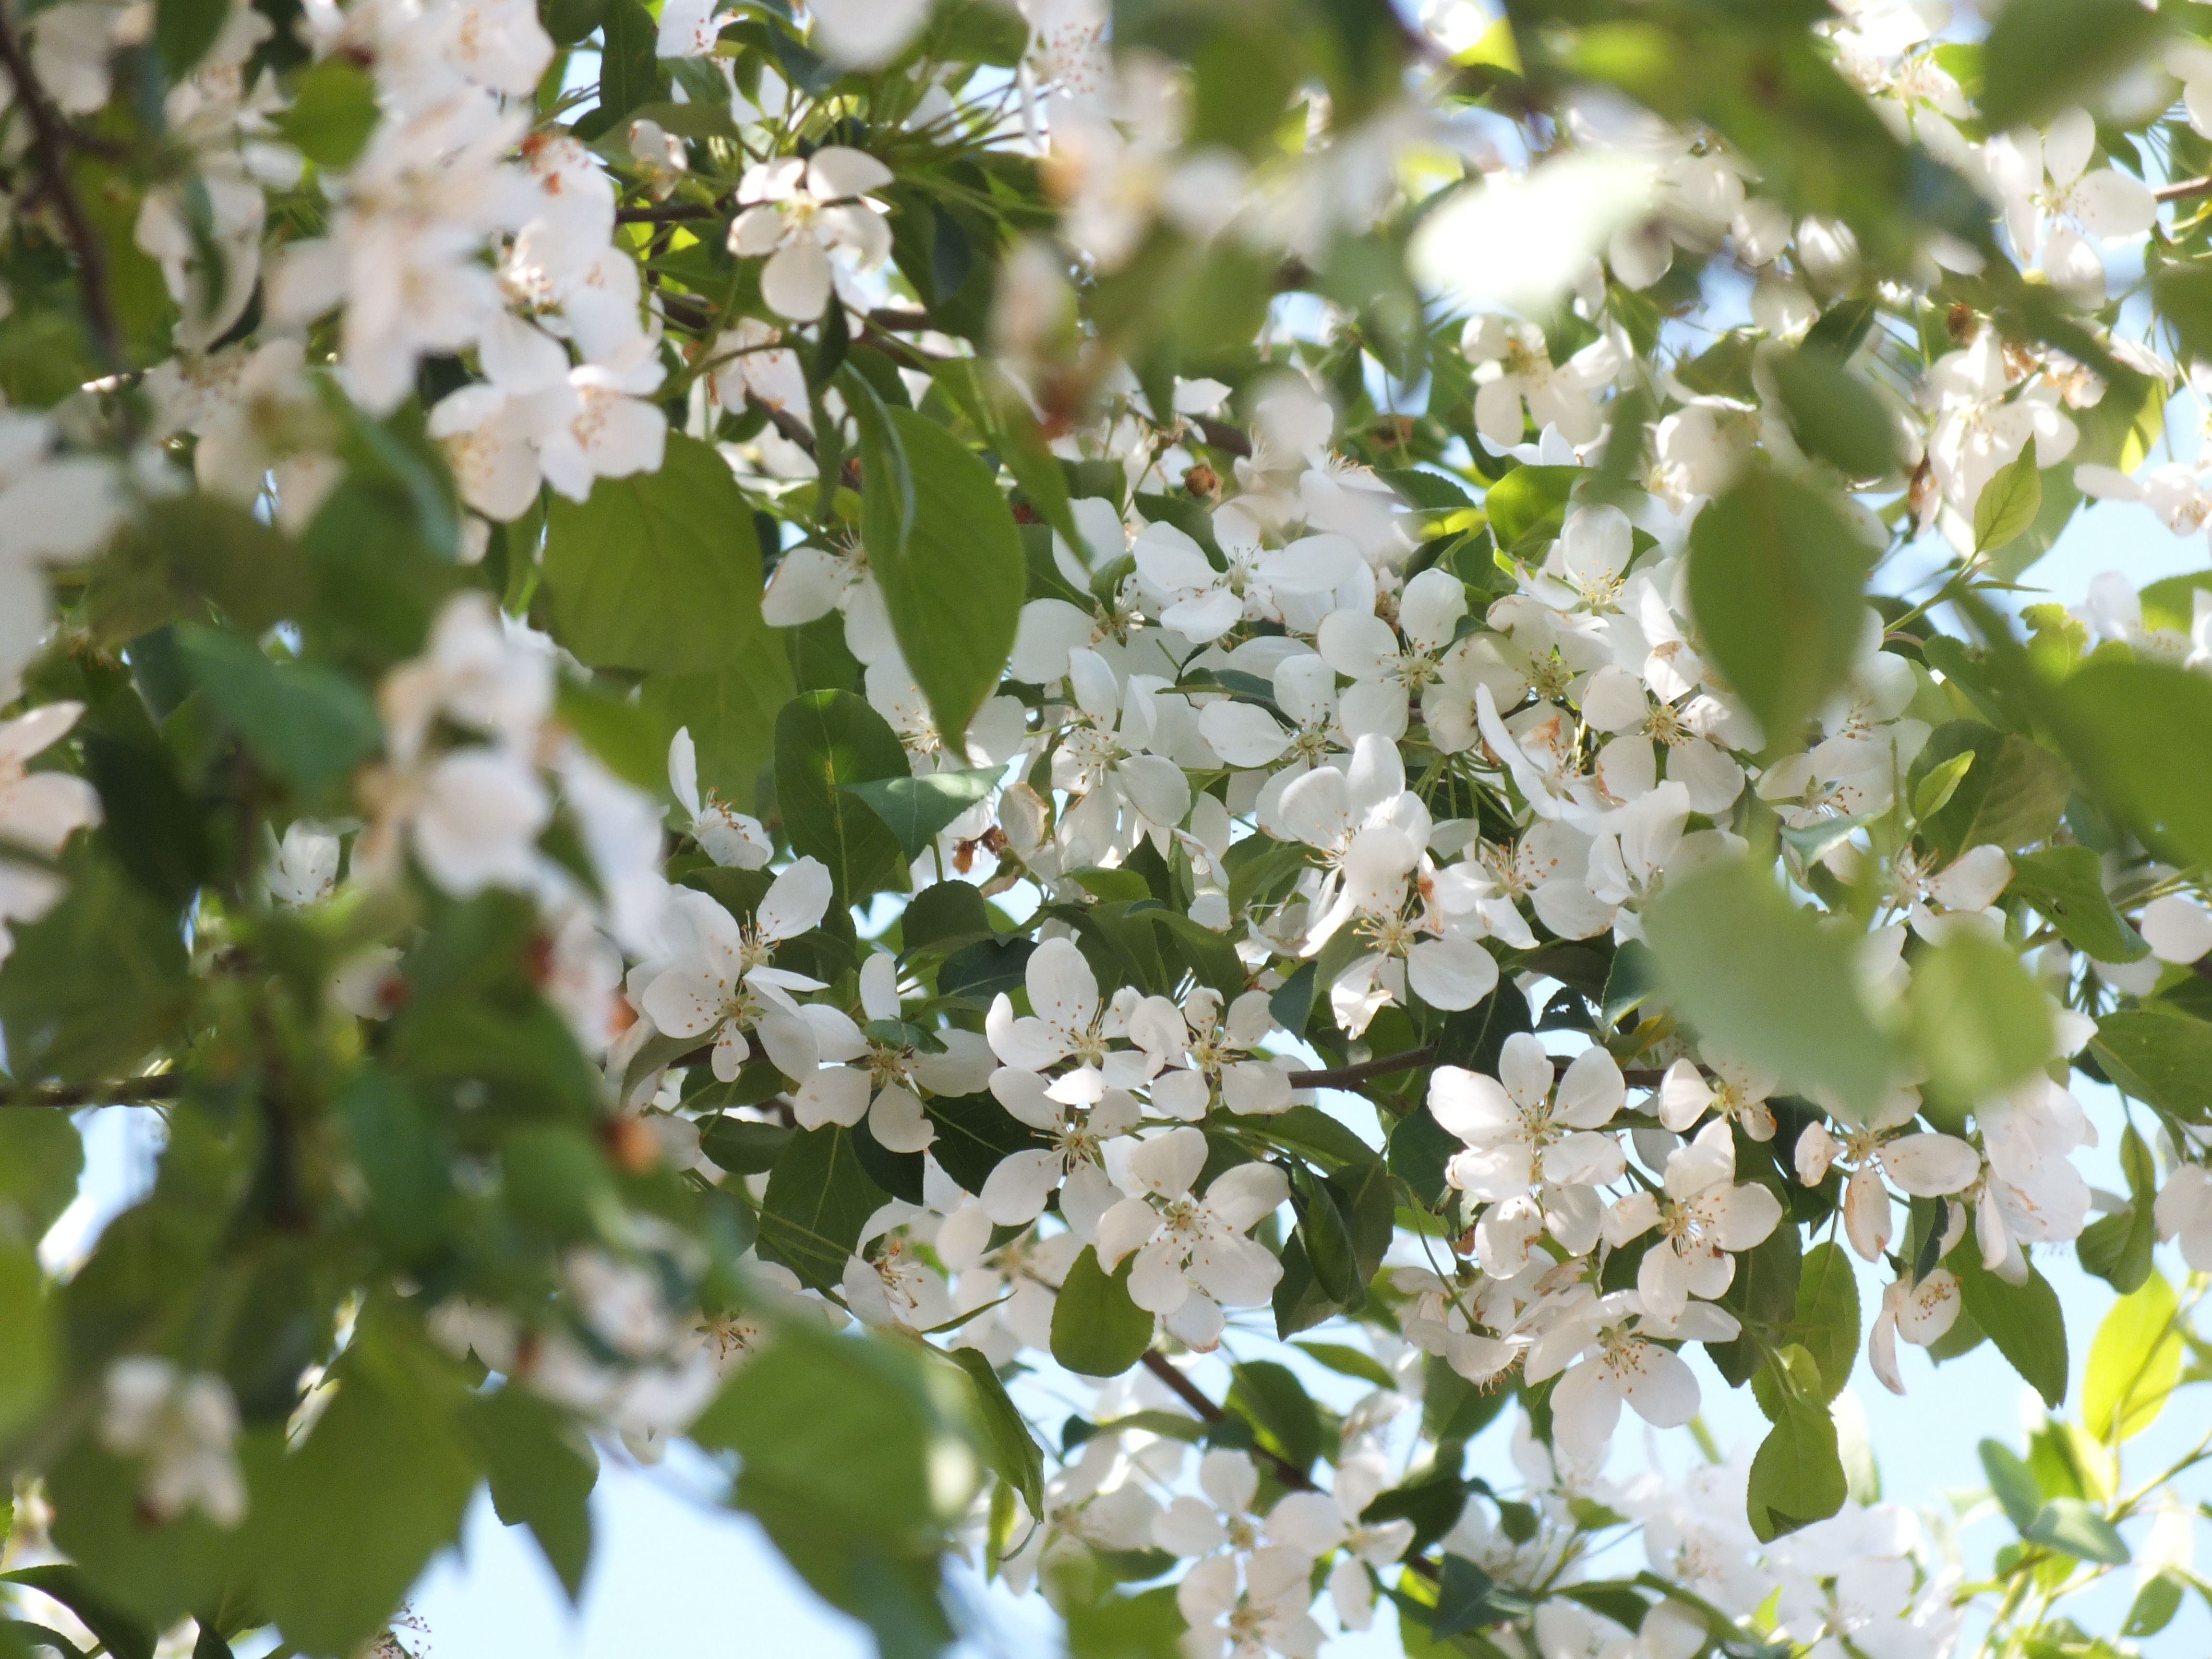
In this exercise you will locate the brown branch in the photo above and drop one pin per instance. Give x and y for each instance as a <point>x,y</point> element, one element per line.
<point>2183,191</point>
<point>121,1091</point>
<point>899,321</point>
<point>667,214</point>
<point>1222,436</point>
<point>50,138</point>
<point>1349,1077</point>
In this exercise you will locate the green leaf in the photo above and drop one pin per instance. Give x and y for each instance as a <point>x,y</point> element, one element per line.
<point>1775,578</point>
<point>741,1146</point>
<point>184,30</point>
<point>123,1634</point>
<point>42,1155</point>
<point>916,808</point>
<point>2066,884</point>
<point>2159,1056</point>
<point>542,1469</point>
<point>1269,1396</point>
<point>627,738</point>
<point>93,985</point>
<point>2008,501</point>
<point>1835,414</point>
<point>825,740</point>
<point>818,1199</point>
<point>1348,1362</point>
<point>2074,1526</point>
<point>332,112</point>
<point>1528,505</point>
<point>629,73</point>
<point>952,569</point>
<point>2012,1483</point>
<point>1935,790</point>
<point>1758,977</point>
<point>1826,1322</point>
<point>1014,1451</point>
<point>944,915</point>
<point>1096,1330</point>
<point>2141,734</point>
<point>2043,55</point>
<point>1980,1023</point>
<point>1145,1625</point>
<point>339,1528</point>
<point>2024,1321</point>
<point>187,551</point>
<point>1797,1475</point>
<point>659,571</point>
<point>1004,419</point>
<point>2011,795</point>
<point>975,1134</point>
<point>2134,1362</point>
<point>310,724</point>
<point>730,714</point>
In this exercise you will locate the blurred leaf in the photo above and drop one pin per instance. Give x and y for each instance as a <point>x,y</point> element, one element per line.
<point>332,112</point>
<point>1271,1398</point>
<point>624,736</point>
<point>2012,1484</point>
<point>825,740</point>
<point>1145,1625</point>
<point>2070,1525</point>
<point>2011,794</point>
<point>29,1355</point>
<point>2008,501</point>
<point>1835,414</point>
<point>2043,55</point>
<point>309,723</point>
<point>818,1199</point>
<point>659,570</point>
<point>93,985</point>
<point>1759,978</point>
<point>1527,507</point>
<point>730,714</point>
<point>1776,575</point>
<point>2155,1605</point>
<point>41,1154</point>
<point>542,1469</point>
<point>1354,1363</point>
<point>1980,1024</point>
<point>121,1633</point>
<point>1096,1330</point>
<point>2119,1248</point>
<point>2141,735</point>
<point>186,551</point>
<point>2134,1361</point>
<point>1797,1475</point>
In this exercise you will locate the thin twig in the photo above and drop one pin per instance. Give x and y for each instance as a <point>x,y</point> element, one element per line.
<point>1194,1397</point>
<point>119,1091</point>
<point>1349,1077</point>
<point>51,139</point>
<point>2183,191</point>
<point>668,213</point>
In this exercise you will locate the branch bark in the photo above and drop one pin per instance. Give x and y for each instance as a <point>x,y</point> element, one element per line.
<point>2183,191</point>
<point>51,141</point>
<point>120,1092</point>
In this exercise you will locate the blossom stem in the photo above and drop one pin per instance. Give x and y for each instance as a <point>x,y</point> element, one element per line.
<point>51,139</point>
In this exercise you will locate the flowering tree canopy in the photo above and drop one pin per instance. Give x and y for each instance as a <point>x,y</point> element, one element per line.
<point>1073,775</point>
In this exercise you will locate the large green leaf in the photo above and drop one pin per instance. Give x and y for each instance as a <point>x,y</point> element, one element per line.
<point>1835,414</point>
<point>1096,1329</point>
<point>1014,1451</point>
<point>1797,1473</point>
<point>731,713</point>
<point>819,1197</point>
<point>825,740</point>
<point>2134,1361</point>
<point>1761,979</point>
<point>2010,795</point>
<point>1776,577</point>
<point>542,1469</point>
<point>2159,1055</point>
<point>1826,1322</point>
<point>945,550</point>
<point>915,809</point>
<point>28,1351</point>
<point>659,571</point>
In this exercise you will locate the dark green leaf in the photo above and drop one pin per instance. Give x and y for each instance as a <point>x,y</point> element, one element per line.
<point>309,723</point>
<point>2141,734</point>
<point>2012,1484</point>
<point>2012,794</point>
<point>1826,1322</point>
<point>2161,1057</point>
<point>730,714</point>
<point>1096,1329</point>
<point>2024,1321</point>
<point>818,1199</point>
<point>2066,884</point>
<point>122,1635</point>
<point>542,1470</point>
<point>95,984</point>
<point>1835,414</point>
<point>916,808</point>
<point>1014,1451</point>
<point>2043,55</point>
<point>1271,1398</point>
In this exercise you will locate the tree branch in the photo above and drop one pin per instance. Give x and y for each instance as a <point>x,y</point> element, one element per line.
<point>667,214</point>
<point>121,1091</point>
<point>51,139</point>
<point>1350,1076</point>
<point>2183,191</point>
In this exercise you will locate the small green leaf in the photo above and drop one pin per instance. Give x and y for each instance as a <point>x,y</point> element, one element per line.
<point>332,112</point>
<point>1527,507</point>
<point>1934,791</point>
<point>2155,1605</point>
<point>2008,501</point>
<point>916,808</point>
<point>1826,1322</point>
<point>2012,1483</point>
<point>183,31</point>
<point>825,740</point>
<point>1797,1475</point>
<point>2134,1361</point>
<point>2066,884</point>
<point>2012,794</point>
<point>1347,1361</point>
<point>1097,1331</point>
<point>1834,413</point>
